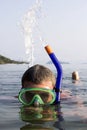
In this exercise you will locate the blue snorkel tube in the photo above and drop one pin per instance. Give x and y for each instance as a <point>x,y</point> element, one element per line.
<point>59,72</point>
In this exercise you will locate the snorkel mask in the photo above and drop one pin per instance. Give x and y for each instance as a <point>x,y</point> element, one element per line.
<point>36,96</point>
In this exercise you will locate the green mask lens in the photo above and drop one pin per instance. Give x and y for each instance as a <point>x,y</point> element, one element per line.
<point>27,96</point>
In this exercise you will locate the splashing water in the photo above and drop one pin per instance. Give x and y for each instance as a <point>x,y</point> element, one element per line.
<point>29,23</point>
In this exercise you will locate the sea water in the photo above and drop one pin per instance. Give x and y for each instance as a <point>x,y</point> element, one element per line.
<point>71,114</point>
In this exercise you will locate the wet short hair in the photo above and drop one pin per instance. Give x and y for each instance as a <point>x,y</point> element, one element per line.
<point>37,74</point>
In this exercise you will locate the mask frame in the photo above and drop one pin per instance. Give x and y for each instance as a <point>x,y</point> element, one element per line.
<point>20,96</point>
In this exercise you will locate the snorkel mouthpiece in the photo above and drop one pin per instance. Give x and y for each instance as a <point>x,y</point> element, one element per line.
<point>36,101</point>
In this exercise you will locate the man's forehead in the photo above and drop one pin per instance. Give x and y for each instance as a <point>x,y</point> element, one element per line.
<point>44,84</point>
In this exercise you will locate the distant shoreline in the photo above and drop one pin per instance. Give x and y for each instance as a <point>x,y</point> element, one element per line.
<point>6,60</point>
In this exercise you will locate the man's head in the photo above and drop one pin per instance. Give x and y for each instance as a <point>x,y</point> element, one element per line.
<point>38,83</point>
<point>38,76</point>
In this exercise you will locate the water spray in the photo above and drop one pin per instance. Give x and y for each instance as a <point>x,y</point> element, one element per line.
<point>28,24</point>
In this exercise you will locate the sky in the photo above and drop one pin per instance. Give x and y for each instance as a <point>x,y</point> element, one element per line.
<point>63,25</point>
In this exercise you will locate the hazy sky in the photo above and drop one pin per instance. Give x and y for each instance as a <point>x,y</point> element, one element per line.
<point>63,25</point>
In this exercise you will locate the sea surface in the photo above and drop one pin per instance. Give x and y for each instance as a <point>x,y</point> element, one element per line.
<point>70,114</point>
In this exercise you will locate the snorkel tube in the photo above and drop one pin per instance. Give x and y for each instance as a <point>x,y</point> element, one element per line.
<point>59,71</point>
